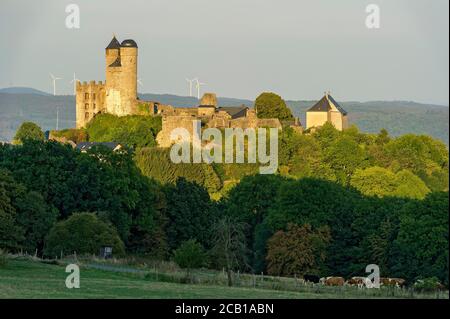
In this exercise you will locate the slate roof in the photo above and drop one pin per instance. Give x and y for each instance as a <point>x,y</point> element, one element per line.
<point>114,44</point>
<point>324,105</point>
<point>235,112</point>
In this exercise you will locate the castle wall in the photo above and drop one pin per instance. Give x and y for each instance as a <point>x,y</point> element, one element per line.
<point>90,100</point>
<point>170,123</point>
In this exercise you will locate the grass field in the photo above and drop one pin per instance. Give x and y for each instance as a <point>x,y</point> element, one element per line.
<point>33,279</point>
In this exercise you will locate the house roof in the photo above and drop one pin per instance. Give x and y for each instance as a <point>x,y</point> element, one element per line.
<point>235,112</point>
<point>84,146</point>
<point>114,44</point>
<point>323,105</point>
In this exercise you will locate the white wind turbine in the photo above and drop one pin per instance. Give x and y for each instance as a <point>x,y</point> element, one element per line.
<point>198,84</point>
<point>54,82</point>
<point>190,81</point>
<point>74,81</point>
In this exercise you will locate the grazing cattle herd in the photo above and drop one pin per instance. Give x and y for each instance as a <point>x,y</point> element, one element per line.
<point>360,282</point>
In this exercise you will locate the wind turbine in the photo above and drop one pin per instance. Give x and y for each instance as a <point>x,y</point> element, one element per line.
<point>198,84</point>
<point>74,81</point>
<point>54,82</point>
<point>190,81</point>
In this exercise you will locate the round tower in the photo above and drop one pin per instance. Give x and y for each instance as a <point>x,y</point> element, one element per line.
<point>128,83</point>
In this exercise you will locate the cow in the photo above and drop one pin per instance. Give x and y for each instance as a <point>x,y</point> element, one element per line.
<point>332,281</point>
<point>311,278</point>
<point>357,281</point>
<point>392,282</point>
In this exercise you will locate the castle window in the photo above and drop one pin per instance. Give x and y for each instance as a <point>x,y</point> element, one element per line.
<point>93,96</point>
<point>94,106</point>
<point>86,106</point>
<point>86,96</point>
<point>86,115</point>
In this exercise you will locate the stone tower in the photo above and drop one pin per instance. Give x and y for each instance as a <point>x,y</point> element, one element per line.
<point>121,77</point>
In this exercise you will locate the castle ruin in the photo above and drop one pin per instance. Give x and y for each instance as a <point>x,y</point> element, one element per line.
<point>118,96</point>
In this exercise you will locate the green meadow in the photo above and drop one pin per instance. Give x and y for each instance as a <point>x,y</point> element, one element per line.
<point>25,278</point>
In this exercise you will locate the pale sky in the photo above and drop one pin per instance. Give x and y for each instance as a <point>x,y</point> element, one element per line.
<point>296,48</point>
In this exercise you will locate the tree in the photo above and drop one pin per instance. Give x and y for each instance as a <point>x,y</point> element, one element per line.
<point>189,212</point>
<point>271,105</point>
<point>344,156</point>
<point>423,156</point>
<point>421,247</point>
<point>190,255</point>
<point>229,245</point>
<point>132,130</point>
<point>28,130</point>
<point>82,233</point>
<point>374,181</point>
<point>318,203</point>
<point>97,181</point>
<point>249,202</point>
<point>11,234</point>
<point>299,250</point>
<point>36,218</point>
<point>377,181</point>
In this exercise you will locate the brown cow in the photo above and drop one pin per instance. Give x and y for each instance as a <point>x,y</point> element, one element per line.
<point>393,282</point>
<point>357,281</point>
<point>333,281</point>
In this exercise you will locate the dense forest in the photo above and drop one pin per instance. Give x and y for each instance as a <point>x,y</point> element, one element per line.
<point>340,201</point>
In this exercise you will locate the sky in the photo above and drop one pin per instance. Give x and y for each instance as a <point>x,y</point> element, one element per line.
<point>239,48</point>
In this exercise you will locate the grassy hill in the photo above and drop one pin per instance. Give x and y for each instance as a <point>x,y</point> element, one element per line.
<point>398,117</point>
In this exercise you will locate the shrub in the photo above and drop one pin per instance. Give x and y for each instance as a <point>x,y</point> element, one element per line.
<point>190,255</point>
<point>428,285</point>
<point>131,130</point>
<point>82,233</point>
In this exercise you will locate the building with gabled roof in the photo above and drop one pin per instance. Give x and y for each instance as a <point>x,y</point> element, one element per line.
<point>326,110</point>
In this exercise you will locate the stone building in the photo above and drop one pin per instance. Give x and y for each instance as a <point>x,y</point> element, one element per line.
<point>118,95</point>
<point>326,110</point>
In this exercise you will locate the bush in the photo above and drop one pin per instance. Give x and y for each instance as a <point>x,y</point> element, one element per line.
<point>190,255</point>
<point>428,285</point>
<point>131,130</point>
<point>82,233</point>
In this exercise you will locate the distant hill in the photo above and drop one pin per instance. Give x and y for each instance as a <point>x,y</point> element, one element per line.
<point>186,101</point>
<point>22,90</point>
<point>398,117</point>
